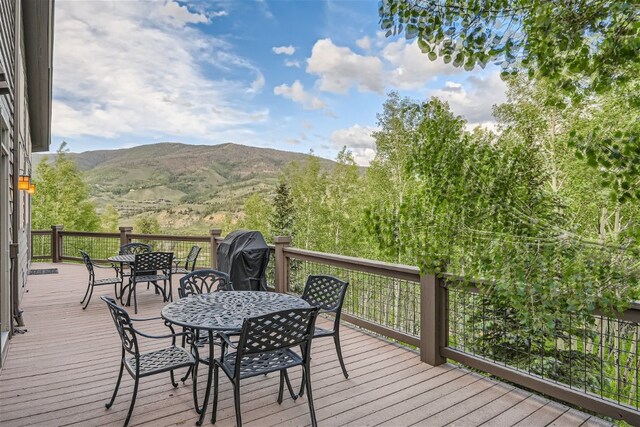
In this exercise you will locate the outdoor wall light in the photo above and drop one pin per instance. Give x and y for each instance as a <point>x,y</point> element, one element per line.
<point>24,182</point>
<point>32,188</point>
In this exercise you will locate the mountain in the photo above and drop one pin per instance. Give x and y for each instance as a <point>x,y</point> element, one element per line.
<point>174,178</point>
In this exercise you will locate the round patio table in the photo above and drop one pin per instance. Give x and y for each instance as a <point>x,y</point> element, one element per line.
<point>225,312</point>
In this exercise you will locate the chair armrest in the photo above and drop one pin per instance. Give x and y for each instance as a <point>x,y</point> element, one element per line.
<point>224,337</point>
<point>145,319</point>
<point>158,337</point>
<point>115,267</point>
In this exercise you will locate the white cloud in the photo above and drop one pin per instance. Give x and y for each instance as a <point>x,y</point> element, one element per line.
<point>178,15</point>
<point>410,68</point>
<point>398,65</point>
<point>136,69</point>
<point>292,63</point>
<point>257,84</point>
<point>364,43</point>
<point>284,50</point>
<point>297,94</point>
<point>474,99</point>
<point>219,14</point>
<point>359,140</point>
<point>339,68</point>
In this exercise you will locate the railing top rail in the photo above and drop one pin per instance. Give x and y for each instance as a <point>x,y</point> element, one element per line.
<point>170,237</point>
<point>631,314</point>
<point>399,271</point>
<point>89,234</point>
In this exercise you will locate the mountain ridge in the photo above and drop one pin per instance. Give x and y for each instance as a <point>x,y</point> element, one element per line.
<point>174,177</point>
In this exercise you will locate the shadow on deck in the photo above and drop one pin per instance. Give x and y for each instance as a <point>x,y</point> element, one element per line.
<point>63,370</point>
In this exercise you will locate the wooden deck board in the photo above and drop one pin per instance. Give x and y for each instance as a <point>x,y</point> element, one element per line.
<point>63,370</point>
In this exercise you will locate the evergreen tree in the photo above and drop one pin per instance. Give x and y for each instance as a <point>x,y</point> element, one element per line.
<point>147,224</point>
<point>283,213</point>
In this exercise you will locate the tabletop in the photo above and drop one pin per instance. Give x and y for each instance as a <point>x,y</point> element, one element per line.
<point>122,258</point>
<point>226,311</point>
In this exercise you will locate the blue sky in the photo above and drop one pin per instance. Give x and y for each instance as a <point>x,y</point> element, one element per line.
<point>291,75</point>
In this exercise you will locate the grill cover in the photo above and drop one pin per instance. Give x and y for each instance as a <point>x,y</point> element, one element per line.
<point>244,256</point>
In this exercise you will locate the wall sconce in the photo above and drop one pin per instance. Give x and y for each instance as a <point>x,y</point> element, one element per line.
<point>24,182</point>
<point>32,188</point>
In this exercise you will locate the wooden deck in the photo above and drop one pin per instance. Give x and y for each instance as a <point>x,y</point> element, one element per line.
<point>63,370</point>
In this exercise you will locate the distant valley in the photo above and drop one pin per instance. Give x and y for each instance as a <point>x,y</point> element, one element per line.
<point>189,188</point>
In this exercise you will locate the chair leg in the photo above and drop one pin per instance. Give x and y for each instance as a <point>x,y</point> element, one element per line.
<point>236,400</point>
<point>281,388</point>
<point>133,402</point>
<point>90,294</point>
<point>194,369</point>
<point>302,384</point>
<point>135,299</point>
<point>173,380</point>
<point>307,375</point>
<point>183,379</point>
<point>291,392</point>
<point>214,410</point>
<point>86,293</point>
<point>336,340</point>
<point>115,392</point>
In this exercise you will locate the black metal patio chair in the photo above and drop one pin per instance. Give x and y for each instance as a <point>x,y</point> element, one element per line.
<point>202,282</point>
<point>327,293</point>
<point>189,262</point>
<point>140,365</point>
<point>131,249</point>
<point>93,282</point>
<point>265,346</point>
<point>134,248</point>
<point>151,267</point>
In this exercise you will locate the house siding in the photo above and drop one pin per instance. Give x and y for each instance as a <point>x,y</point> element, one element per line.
<point>21,26</point>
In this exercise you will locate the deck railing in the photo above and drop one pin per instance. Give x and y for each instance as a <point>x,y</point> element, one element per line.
<point>591,364</point>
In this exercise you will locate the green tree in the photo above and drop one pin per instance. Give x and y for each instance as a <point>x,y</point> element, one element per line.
<point>582,44</point>
<point>146,224</point>
<point>283,212</point>
<point>344,209</point>
<point>62,197</point>
<point>308,183</point>
<point>109,219</point>
<point>256,214</point>
<point>584,48</point>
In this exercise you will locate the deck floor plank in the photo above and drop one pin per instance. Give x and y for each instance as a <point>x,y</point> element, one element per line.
<point>63,370</point>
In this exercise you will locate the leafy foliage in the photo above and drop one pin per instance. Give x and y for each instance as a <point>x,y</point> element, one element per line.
<point>585,48</point>
<point>62,196</point>
<point>581,45</point>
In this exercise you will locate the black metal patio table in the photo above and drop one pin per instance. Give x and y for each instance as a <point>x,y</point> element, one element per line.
<point>224,311</point>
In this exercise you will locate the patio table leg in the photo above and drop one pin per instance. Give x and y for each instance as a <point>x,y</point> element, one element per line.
<point>207,392</point>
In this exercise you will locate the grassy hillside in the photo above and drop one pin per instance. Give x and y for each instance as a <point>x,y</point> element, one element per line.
<point>190,187</point>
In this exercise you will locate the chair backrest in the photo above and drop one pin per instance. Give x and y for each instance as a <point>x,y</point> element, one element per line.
<point>203,282</point>
<point>325,292</point>
<point>277,330</point>
<point>153,261</point>
<point>123,325</point>
<point>190,264</point>
<point>134,248</point>
<point>87,262</point>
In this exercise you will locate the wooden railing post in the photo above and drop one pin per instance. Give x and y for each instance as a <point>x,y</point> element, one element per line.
<point>213,235</point>
<point>124,235</point>
<point>282,264</point>
<point>56,243</point>
<point>433,320</point>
